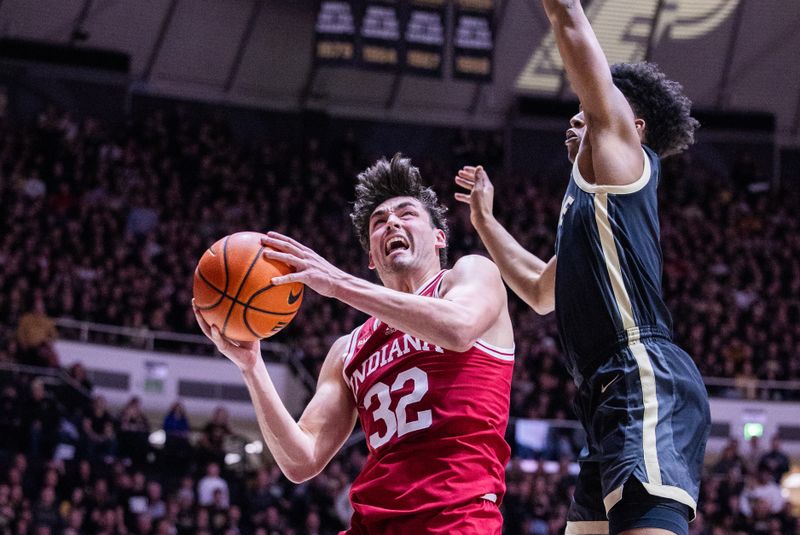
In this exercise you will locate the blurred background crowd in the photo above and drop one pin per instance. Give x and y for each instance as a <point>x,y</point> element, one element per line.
<point>105,224</point>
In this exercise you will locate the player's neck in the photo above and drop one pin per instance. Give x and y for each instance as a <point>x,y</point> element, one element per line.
<point>410,282</point>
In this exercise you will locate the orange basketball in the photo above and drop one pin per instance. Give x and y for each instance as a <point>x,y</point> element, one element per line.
<point>233,289</point>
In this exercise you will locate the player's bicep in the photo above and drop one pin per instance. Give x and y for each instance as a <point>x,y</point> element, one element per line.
<point>476,279</point>
<point>331,414</point>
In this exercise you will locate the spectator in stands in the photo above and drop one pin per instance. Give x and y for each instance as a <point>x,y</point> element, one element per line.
<point>134,432</point>
<point>178,453</point>
<point>41,418</point>
<point>761,492</point>
<point>11,419</point>
<point>775,460</point>
<point>211,446</point>
<point>98,428</point>
<point>209,484</point>
<point>35,334</point>
<point>76,401</point>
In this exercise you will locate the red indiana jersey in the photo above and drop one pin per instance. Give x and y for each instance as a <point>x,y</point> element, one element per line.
<point>434,421</point>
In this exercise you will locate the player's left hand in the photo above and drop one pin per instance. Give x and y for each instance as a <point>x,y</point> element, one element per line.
<point>480,196</point>
<point>309,267</point>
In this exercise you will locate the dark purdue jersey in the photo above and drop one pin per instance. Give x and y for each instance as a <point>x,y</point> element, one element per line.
<point>608,278</point>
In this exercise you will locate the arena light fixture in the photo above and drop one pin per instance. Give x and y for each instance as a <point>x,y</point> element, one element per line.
<point>625,31</point>
<point>158,438</point>
<point>232,458</point>
<point>254,448</point>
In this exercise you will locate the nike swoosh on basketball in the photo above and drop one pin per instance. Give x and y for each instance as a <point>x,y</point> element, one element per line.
<point>604,387</point>
<point>294,297</point>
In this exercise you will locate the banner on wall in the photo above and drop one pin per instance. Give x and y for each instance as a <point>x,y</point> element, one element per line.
<point>335,32</point>
<point>380,36</point>
<point>425,30</point>
<point>473,40</point>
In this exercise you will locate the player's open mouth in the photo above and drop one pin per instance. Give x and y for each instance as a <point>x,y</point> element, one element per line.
<point>395,243</point>
<point>571,136</point>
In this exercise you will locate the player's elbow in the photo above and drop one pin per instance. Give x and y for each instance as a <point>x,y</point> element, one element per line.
<point>543,308</point>
<point>462,343</point>
<point>459,338</point>
<point>541,300</point>
<point>299,473</point>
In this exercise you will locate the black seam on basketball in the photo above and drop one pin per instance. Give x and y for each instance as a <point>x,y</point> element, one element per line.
<point>227,281</point>
<point>241,285</point>
<point>225,263</point>
<point>247,324</point>
<point>261,291</point>
<point>222,294</point>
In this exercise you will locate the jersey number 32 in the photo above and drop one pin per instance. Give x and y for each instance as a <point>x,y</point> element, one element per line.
<point>397,421</point>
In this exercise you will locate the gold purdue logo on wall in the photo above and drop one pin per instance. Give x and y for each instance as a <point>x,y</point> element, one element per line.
<point>624,29</point>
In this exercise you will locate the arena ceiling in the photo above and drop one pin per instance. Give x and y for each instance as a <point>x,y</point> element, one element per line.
<point>741,55</point>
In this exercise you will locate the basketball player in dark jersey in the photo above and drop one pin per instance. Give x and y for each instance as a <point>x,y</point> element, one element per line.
<point>428,374</point>
<point>640,398</point>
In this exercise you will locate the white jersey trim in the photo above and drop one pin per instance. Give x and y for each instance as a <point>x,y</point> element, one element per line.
<point>351,349</point>
<point>633,187</point>
<point>501,353</point>
<point>424,285</point>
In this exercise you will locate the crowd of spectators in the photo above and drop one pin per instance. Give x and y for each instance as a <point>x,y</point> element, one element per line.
<point>70,466</point>
<point>105,224</point>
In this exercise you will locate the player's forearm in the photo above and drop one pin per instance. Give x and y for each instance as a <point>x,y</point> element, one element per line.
<point>436,321</point>
<point>521,269</point>
<point>291,447</point>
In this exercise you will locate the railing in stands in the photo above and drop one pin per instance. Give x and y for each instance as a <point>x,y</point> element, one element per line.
<point>197,344</point>
<point>166,341</point>
<point>51,376</point>
<point>752,388</point>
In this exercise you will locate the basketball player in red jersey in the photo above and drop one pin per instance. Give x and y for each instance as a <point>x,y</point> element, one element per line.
<point>428,374</point>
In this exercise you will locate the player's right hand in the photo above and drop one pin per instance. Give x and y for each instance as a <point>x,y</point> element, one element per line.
<point>481,193</point>
<point>244,354</point>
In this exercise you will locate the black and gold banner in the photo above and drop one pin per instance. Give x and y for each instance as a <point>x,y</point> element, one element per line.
<point>381,36</point>
<point>425,32</point>
<point>473,40</point>
<point>335,32</point>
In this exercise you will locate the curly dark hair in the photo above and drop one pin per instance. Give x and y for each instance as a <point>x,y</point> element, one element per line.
<point>669,127</point>
<point>396,178</point>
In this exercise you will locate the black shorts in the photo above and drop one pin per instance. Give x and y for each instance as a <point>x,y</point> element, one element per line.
<point>646,416</point>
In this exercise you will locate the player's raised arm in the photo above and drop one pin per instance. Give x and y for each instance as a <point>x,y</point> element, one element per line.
<point>453,322</point>
<point>530,277</point>
<point>615,142</point>
<point>303,448</point>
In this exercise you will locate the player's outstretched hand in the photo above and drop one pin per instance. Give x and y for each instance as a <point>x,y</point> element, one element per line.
<point>309,267</point>
<point>244,354</point>
<point>480,196</point>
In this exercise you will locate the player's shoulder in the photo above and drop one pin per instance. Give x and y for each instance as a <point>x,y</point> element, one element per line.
<point>470,269</point>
